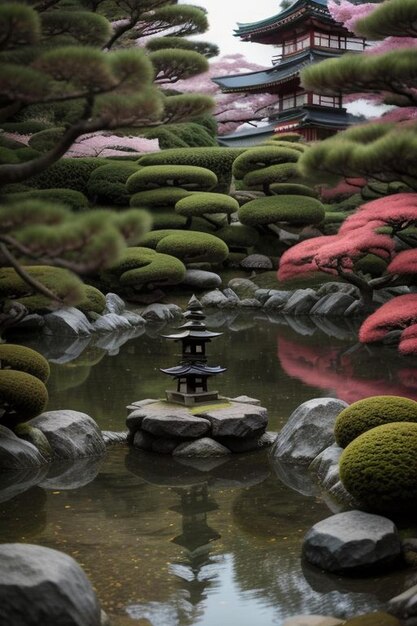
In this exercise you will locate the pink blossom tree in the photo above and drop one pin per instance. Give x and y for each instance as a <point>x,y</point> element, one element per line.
<point>395,315</point>
<point>231,109</point>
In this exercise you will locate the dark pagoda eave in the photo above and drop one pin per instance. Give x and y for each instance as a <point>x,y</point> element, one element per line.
<point>193,369</point>
<point>204,335</point>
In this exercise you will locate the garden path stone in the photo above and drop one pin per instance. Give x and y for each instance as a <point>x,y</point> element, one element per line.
<point>39,585</point>
<point>238,420</point>
<point>15,453</point>
<point>71,434</point>
<point>308,431</point>
<point>351,542</point>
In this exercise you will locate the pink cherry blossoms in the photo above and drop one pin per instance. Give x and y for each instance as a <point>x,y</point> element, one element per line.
<point>348,13</point>
<point>107,145</point>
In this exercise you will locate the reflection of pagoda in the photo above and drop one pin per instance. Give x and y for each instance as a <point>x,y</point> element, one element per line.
<point>192,372</point>
<point>306,34</point>
<point>196,538</point>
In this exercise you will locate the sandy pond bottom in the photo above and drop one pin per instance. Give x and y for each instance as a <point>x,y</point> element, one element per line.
<point>171,544</point>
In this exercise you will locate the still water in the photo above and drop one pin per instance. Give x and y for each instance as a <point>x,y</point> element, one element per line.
<point>172,543</point>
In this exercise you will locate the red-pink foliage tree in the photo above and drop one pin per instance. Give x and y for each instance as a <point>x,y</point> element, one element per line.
<point>397,314</point>
<point>408,340</point>
<point>231,109</point>
<point>343,189</point>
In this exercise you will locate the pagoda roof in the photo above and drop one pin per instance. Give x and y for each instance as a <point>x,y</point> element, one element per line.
<point>194,369</point>
<point>299,10</point>
<point>198,334</point>
<point>264,80</point>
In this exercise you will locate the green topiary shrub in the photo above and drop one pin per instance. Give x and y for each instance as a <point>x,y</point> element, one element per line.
<point>370,412</point>
<point>45,140</point>
<point>67,173</point>
<point>295,210</point>
<point>15,357</point>
<point>190,247</point>
<point>75,200</point>
<point>202,203</point>
<point>107,184</point>
<point>142,268</point>
<point>94,301</point>
<point>22,396</point>
<point>218,160</point>
<point>26,154</point>
<point>266,176</point>
<point>379,467</point>
<point>163,197</point>
<point>371,264</point>
<point>8,156</point>
<point>292,189</point>
<point>263,157</point>
<point>186,176</point>
<point>238,236</point>
<point>28,127</point>
<point>167,140</point>
<point>192,134</point>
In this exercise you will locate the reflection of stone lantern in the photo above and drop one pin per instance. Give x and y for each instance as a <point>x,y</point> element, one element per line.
<point>192,372</point>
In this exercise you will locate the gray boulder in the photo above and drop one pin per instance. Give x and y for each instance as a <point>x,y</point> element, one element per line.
<point>247,444</point>
<point>110,323</point>
<point>67,321</point>
<point>182,426</point>
<point>335,287</point>
<point>114,304</point>
<point>134,318</point>
<point>162,313</point>
<point>214,298</point>
<point>238,420</point>
<point>243,287</point>
<point>201,279</point>
<point>71,434</point>
<point>277,299</point>
<point>202,448</point>
<point>300,302</point>
<point>332,305</point>
<point>351,542</point>
<point>231,296</point>
<point>249,303</point>
<point>405,604</point>
<point>110,437</point>
<point>142,440</point>
<point>309,430</point>
<point>16,453</point>
<point>324,470</point>
<point>43,586</point>
<point>257,262</point>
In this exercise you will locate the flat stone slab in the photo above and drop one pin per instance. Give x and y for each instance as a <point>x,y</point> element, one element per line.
<point>176,424</point>
<point>352,541</point>
<point>238,420</point>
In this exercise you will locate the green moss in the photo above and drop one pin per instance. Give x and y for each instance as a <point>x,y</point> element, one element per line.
<point>107,183</point>
<point>371,264</point>
<point>36,437</point>
<point>94,300</point>
<point>296,210</point>
<point>186,176</point>
<point>201,203</point>
<point>22,396</point>
<point>378,618</point>
<point>370,412</point>
<point>190,247</point>
<point>61,282</point>
<point>379,467</point>
<point>75,200</point>
<point>292,189</point>
<point>26,154</point>
<point>45,140</point>
<point>24,359</point>
<point>163,197</point>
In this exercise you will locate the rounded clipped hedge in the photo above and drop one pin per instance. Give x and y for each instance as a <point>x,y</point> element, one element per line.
<point>270,175</point>
<point>186,176</point>
<point>189,246</point>
<point>379,467</point>
<point>296,210</point>
<point>370,412</point>
<point>15,357</point>
<point>206,203</point>
<point>163,197</point>
<point>140,267</point>
<point>107,183</point>
<point>238,235</point>
<point>292,189</point>
<point>67,173</point>
<point>263,157</point>
<point>75,200</point>
<point>22,396</point>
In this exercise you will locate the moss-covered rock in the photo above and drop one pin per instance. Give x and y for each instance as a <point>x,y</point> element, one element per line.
<point>292,189</point>
<point>186,176</point>
<point>15,357</point>
<point>379,467</point>
<point>107,183</point>
<point>22,396</point>
<point>190,247</point>
<point>36,437</point>
<point>93,301</point>
<point>297,210</point>
<point>371,264</point>
<point>206,203</point>
<point>370,412</point>
<point>75,200</point>
<point>378,618</point>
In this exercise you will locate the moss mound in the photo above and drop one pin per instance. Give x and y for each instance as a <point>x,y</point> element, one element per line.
<point>370,412</point>
<point>22,396</point>
<point>379,467</point>
<point>292,189</point>
<point>67,173</point>
<point>107,183</point>
<point>263,157</point>
<point>94,300</point>
<point>186,176</point>
<point>75,200</point>
<point>201,203</point>
<point>296,210</point>
<point>24,359</point>
<point>238,236</point>
<point>190,247</point>
<point>164,197</point>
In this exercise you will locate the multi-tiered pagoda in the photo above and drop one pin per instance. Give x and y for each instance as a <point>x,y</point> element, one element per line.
<point>305,33</point>
<point>193,372</point>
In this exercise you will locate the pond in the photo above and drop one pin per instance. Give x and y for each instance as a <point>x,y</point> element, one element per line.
<point>204,543</point>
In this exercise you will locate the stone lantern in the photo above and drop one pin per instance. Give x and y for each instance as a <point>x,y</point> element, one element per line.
<point>193,372</point>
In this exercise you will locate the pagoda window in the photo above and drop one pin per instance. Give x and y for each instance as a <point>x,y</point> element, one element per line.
<point>295,45</point>
<point>182,385</point>
<point>327,101</point>
<point>199,349</point>
<point>338,42</point>
<point>293,100</point>
<point>187,349</point>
